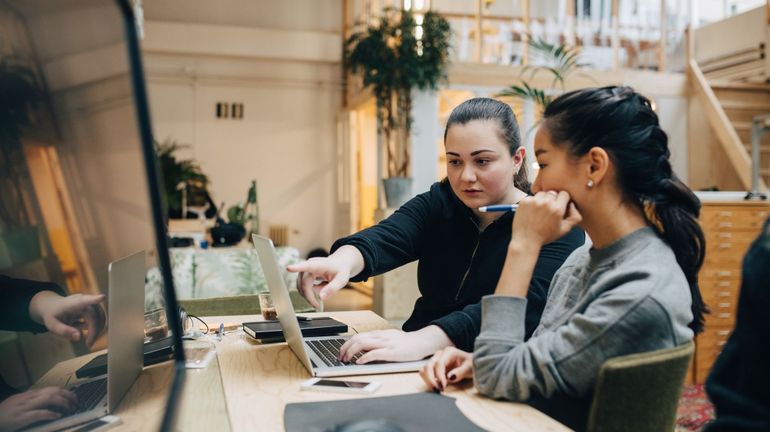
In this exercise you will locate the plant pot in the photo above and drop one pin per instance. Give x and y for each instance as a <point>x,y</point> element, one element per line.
<point>227,234</point>
<point>19,246</point>
<point>398,190</point>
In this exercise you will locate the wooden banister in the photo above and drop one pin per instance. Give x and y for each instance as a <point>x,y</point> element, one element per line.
<point>720,124</point>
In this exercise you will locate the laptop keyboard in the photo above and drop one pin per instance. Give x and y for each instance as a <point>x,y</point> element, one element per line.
<point>89,394</point>
<point>329,349</point>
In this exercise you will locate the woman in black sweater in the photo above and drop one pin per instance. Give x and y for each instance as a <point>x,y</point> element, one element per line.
<point>459,248</point>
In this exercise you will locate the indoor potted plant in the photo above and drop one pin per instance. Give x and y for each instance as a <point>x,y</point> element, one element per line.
<point>184,183</point>
<point>560,61</point>
<point>402,51</point>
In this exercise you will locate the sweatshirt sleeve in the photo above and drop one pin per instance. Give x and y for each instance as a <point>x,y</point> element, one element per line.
<point>394,241</point>
<point>567,359</point>
<point>16,295</point>
<point>463,326</point>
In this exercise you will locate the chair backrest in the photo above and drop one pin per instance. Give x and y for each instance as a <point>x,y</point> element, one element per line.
<point>640,392</point>
<point>237,305</point>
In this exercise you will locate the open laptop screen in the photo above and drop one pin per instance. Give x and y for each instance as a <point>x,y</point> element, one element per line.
<point>79,186</point>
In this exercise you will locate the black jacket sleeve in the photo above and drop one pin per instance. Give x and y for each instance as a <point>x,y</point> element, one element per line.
<point>393,242</point>
<point>463,326</point>
<point>16,295</point>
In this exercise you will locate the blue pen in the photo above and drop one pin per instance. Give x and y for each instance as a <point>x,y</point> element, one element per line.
<point>499,208</point>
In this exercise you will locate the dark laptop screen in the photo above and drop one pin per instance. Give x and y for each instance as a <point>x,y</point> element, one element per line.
<point>78,178</point>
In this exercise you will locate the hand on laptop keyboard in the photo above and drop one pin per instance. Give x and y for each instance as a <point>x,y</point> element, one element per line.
<point>394,345</point>
<point>328,351</point>
<point>33,406</point>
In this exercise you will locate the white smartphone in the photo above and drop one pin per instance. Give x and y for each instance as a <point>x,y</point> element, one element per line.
<point>97,425</point>
<point>321,384</point>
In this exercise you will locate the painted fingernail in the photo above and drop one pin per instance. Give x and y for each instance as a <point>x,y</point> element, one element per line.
<point>436,390</point>
<point>452,376</point>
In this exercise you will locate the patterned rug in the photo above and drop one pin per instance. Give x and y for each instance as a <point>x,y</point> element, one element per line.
<point>695,409</point>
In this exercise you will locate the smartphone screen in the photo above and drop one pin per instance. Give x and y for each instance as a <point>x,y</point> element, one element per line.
<point>334,383</point>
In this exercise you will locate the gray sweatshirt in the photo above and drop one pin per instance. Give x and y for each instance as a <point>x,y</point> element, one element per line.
<point>628,297</point>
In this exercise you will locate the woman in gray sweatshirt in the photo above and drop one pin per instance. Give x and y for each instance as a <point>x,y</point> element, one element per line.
<point>604,165</point>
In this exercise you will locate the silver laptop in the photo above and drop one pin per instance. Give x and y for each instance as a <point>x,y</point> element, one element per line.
<point>125,358</point>
<point>317,354</point>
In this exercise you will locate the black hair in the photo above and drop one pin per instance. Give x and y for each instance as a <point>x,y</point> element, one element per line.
<point>491,109</point>
<point>623,123</point>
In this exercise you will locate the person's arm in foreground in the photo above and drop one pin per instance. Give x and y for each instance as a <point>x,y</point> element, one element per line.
<point>70,316</point>
<point>39,306</point>
<point>460,328</point>
<point>391,243</point>
<point>44,404</point>
<point>548,216</point>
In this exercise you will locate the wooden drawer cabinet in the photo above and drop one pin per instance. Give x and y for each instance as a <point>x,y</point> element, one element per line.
<point>729,218</point>
<point>729,228</point>
<point>709,345</point>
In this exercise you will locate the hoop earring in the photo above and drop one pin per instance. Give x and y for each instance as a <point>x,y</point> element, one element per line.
<point>590,183</point>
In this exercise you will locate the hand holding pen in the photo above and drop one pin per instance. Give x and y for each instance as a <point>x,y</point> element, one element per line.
<point>499,208</point>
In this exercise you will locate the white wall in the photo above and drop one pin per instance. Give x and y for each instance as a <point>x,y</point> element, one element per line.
<point>291,94</point>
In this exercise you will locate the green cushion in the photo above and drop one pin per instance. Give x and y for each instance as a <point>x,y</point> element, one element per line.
<point>640,392</point>
<point>237,305</point>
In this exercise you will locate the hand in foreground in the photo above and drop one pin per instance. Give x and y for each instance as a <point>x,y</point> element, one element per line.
<point>448,366</point>
<point>320,277</point>
<point>544,218</point>
<point>69,316</point>
<point>394,345</point>
<point>21,410</point>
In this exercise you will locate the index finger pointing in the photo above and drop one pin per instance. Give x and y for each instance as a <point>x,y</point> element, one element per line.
<point>299,267</point>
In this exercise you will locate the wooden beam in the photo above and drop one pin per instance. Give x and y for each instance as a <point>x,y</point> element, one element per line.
<point>345,11</point>
<point>663,31</point>
<point>615,35</point>
<point>527,31</point>
<point>572,23</point>
<point>479,29</point>
<point>689,34</point>
<point>492,78</point>
<point>767,12</point>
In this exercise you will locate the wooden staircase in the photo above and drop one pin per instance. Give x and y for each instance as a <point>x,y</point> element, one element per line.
<point>729,70</point>
<point>742,102</point>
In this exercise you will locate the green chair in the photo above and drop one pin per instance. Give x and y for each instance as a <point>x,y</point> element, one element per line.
<point>236,305</point>
<point>640,392</point>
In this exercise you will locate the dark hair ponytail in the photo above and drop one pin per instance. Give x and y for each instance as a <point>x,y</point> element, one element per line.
<point>623,123</point>
<point>491,109</point>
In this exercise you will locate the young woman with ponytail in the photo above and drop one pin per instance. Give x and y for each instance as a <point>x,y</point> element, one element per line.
<point>604,165</point>
<point>460,250</point>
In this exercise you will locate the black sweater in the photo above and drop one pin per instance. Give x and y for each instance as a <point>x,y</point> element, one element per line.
<point>739,383</point>
<point>14,311</point>
<point>458,264</point>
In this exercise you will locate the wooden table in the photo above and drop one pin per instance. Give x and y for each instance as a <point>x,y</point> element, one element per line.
<point>248,385</point>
